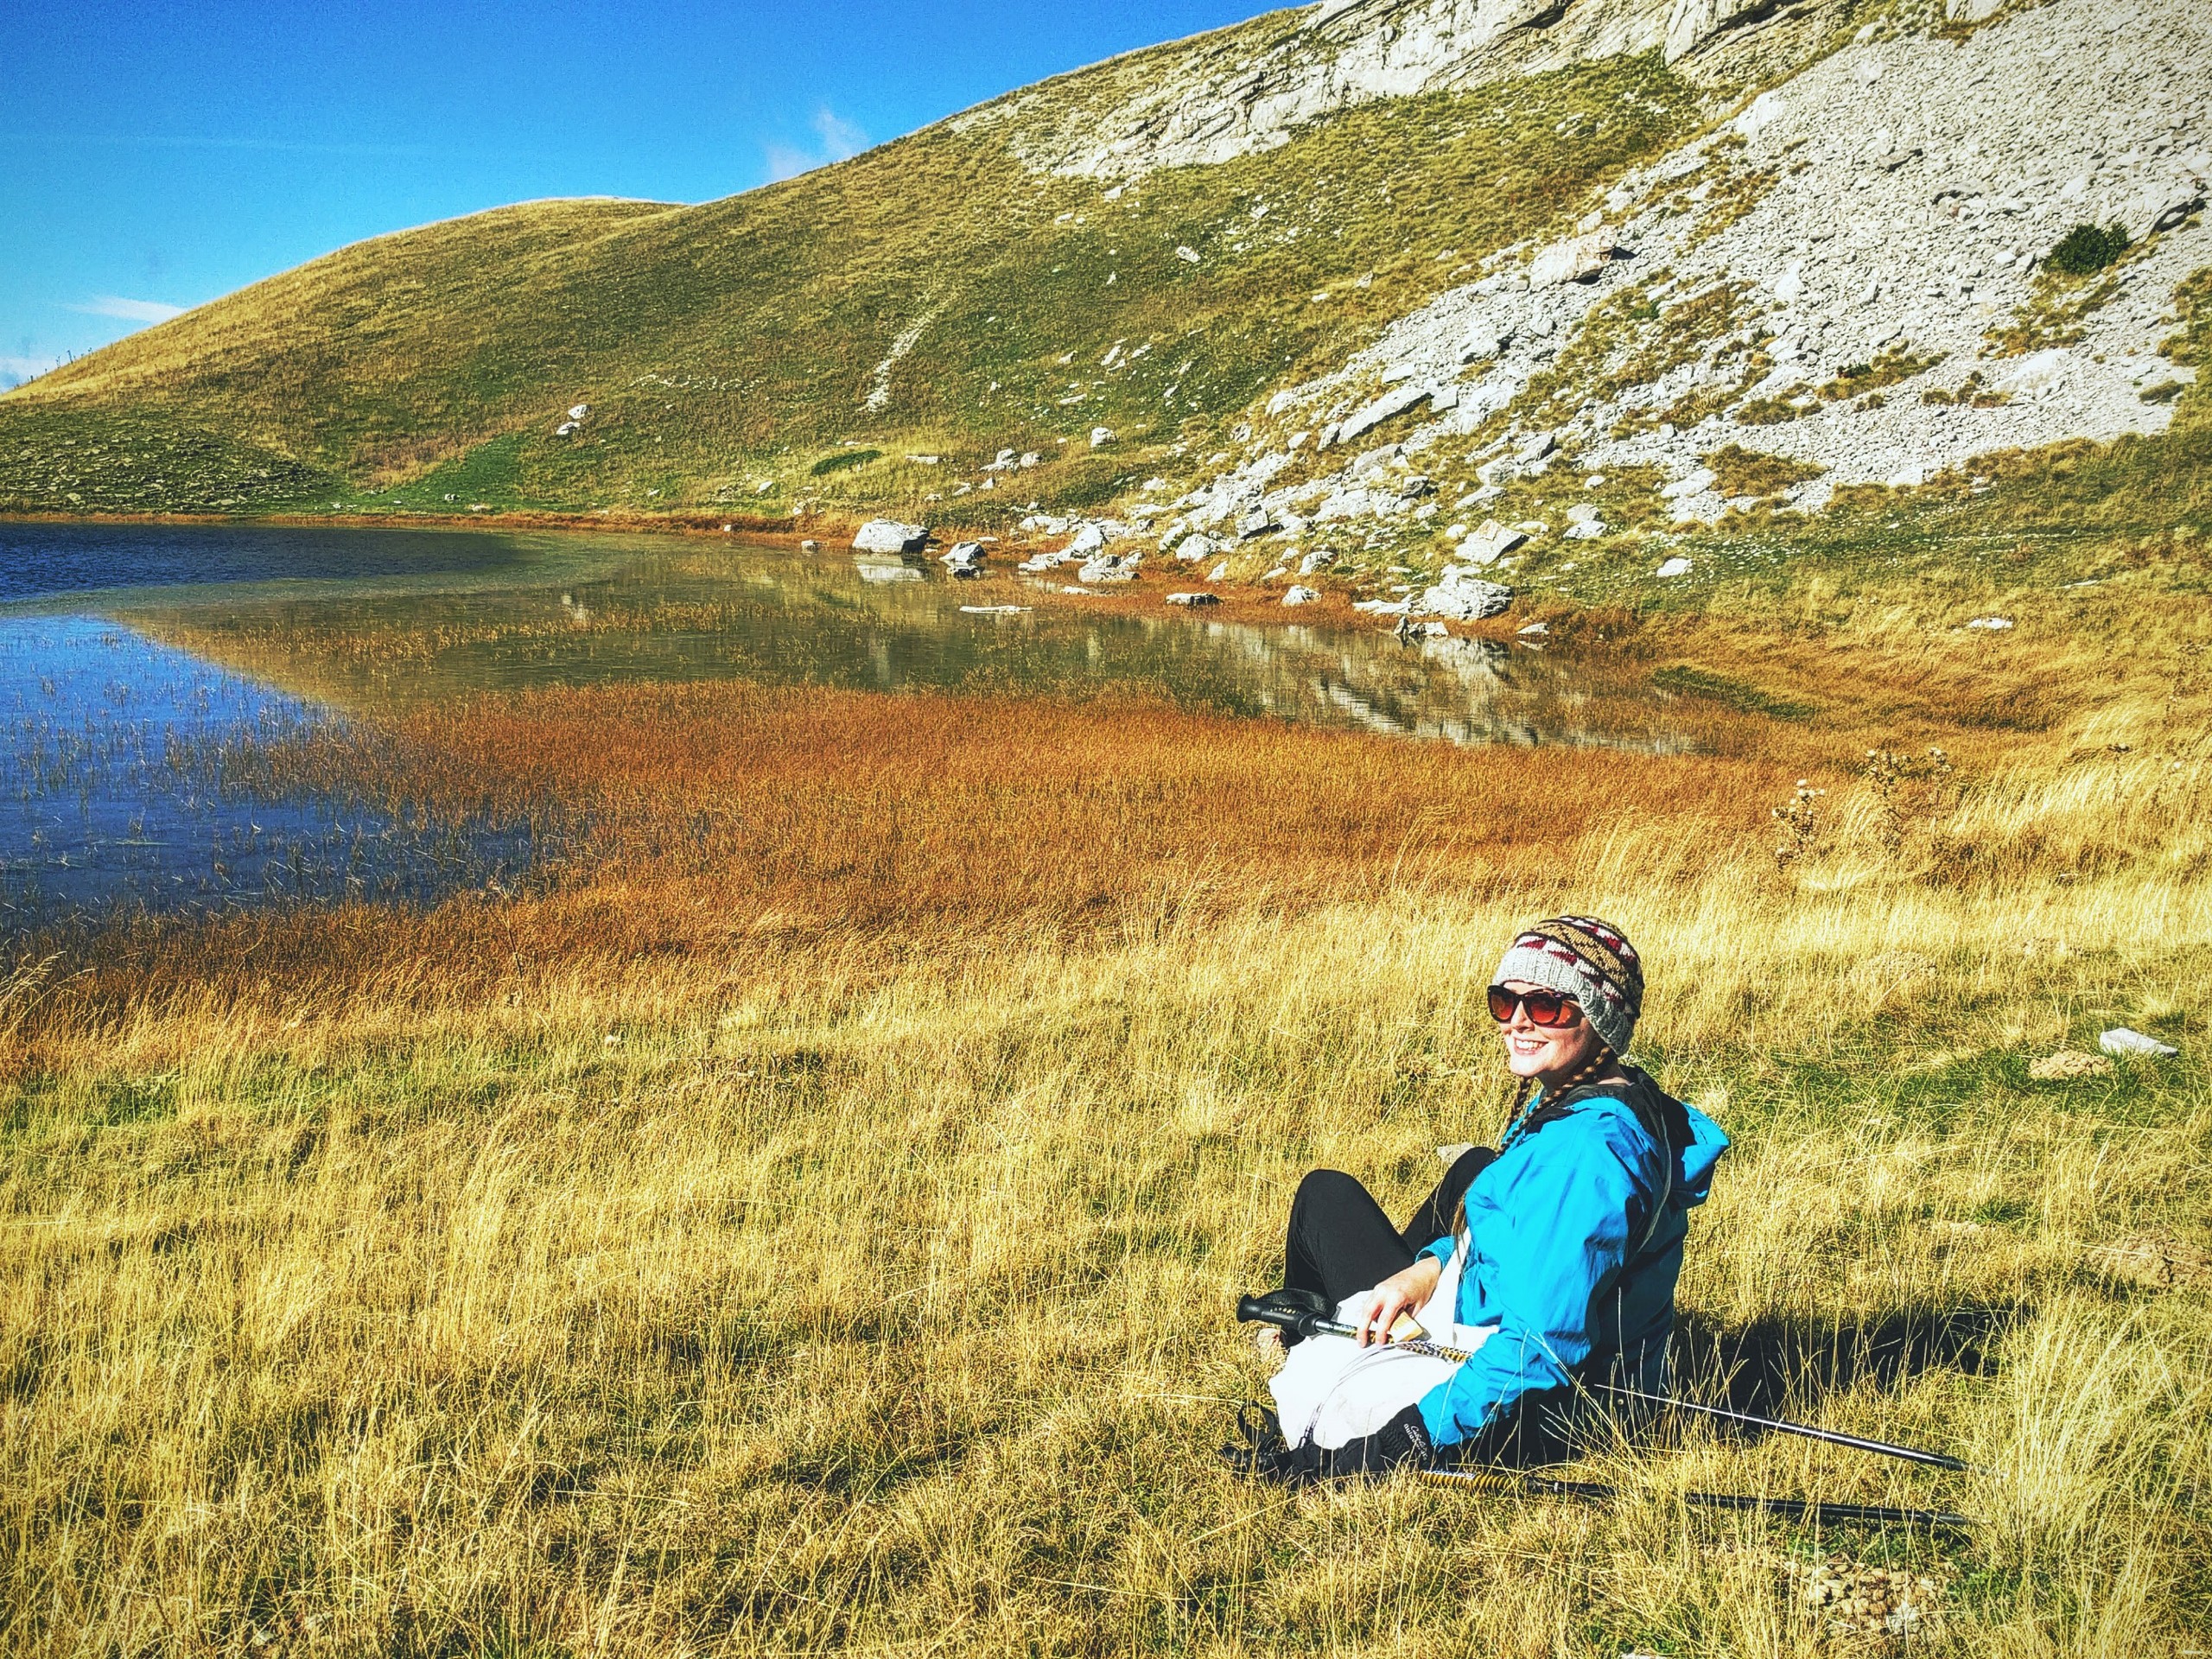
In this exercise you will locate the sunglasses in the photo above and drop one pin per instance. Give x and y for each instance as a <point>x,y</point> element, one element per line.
<point>1545,1007</point>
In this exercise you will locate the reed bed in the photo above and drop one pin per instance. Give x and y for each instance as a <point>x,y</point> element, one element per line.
<point>808,1224</point>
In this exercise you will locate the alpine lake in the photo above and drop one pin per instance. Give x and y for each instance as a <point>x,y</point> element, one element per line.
<point>135,658</point>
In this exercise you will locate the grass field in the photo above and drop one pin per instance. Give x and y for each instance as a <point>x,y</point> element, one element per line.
<point>805,1217</point>
<point>808,1221</point>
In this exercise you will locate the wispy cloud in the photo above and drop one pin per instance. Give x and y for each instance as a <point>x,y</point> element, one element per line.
<point>14,371</point>
<point>836,139</point>
<point>784,162</point>
<point>840,137</point>
<point>114,305</point>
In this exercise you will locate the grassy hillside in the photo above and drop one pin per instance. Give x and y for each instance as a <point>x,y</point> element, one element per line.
<point>737,344</point>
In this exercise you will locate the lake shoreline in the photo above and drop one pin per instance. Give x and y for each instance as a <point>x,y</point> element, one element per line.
<point>1241,602</point>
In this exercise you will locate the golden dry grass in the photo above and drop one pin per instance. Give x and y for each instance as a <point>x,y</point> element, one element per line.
<point>819,1235</point>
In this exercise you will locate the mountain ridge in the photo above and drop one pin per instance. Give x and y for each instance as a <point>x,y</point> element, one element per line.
<point>1845,279</point>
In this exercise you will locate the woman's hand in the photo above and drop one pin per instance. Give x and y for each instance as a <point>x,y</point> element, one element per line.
<point>1397,1294</point>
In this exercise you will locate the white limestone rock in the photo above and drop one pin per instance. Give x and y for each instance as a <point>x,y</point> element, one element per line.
<point>1574,260</point>
<point>1696,484</point>
<point>1367,418</point>
<point>889,536</point>
<point>1489,543</point>
<point>1194,548</point>
<point>1463,596</point>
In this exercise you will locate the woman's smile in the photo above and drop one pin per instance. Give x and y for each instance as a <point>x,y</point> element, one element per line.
<point>1545,1052</point>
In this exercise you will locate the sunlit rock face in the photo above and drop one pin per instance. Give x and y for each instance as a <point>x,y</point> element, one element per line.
<point>1251,91</point>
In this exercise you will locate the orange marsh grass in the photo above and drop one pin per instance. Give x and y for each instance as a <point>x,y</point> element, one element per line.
<point>722,822</point>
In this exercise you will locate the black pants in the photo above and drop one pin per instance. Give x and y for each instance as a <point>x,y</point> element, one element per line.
<point>1341,1242</point>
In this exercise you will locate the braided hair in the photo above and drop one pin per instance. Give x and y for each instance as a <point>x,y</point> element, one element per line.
<point>1588,1071</point>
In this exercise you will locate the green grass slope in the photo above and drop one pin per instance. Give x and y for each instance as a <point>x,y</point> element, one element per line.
<point>730,349</point>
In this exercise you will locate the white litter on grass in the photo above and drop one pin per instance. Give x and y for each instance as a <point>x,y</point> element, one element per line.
<point>2121,1040</point>
<point>1993,624</point>
<point>1674,566</point>
<point>992,610</point>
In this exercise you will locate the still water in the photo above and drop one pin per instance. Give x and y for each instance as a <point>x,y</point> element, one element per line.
<point>131,654</point>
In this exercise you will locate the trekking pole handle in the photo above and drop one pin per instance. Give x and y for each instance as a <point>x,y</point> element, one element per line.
<point>1252,1309</point>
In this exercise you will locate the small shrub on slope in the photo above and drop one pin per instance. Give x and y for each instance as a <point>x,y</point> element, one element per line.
<point>2085,250</point>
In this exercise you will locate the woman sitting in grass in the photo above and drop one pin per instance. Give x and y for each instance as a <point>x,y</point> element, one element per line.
<point>1552,1259</point>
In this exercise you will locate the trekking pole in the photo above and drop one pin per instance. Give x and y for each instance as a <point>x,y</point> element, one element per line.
<point>1307,1323</point>
<point>1788,1509</point>
<point>1783,1426</point>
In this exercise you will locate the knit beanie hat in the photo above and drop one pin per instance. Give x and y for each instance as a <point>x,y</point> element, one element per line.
<point>1588,959</point>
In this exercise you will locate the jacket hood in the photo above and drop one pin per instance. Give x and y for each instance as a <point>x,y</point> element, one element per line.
<point>1694,1173</point>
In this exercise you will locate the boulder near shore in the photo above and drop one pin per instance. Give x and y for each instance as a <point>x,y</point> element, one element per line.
<point>889,536</point>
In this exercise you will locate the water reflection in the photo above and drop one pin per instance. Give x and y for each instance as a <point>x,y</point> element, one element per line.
<point>654,610</point>
<point>43,558</point>
<point>111,795</point>
<point>116,693</point>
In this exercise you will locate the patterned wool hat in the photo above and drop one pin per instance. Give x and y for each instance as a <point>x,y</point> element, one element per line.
<point>1588,959</point>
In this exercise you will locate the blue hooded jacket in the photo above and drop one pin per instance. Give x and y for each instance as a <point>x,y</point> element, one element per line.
<point>1574,1242</point>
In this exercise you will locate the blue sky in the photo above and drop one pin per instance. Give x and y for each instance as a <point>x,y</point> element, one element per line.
<point>154,156</point>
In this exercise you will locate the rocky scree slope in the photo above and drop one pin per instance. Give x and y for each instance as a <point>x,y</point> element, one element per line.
<point>1846,283</point>
<point>1253,88</point>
